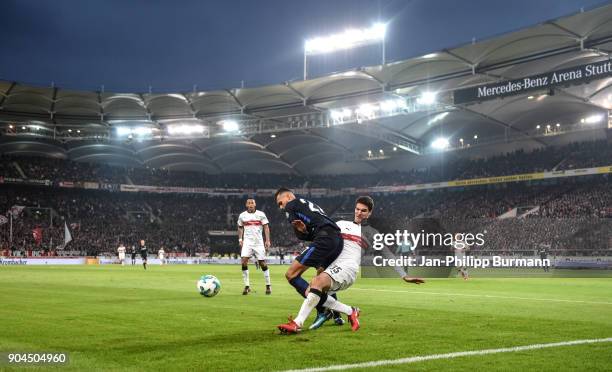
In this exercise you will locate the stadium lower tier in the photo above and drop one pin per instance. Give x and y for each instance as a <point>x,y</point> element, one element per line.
<point>565,217</point>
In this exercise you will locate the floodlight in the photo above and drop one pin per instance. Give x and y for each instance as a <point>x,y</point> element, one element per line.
<point>440,143</point>
<point>593,119</point>
<point>367,110</point>
<point>185,129</point>
<point>122,131</point>
<point>348,39</point>
<point>427,98</point>
<point>229,125</point>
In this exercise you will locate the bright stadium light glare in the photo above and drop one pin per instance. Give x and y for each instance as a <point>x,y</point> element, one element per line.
<point>367,110</point>
<point>348,39</point>
<point>427,98</point>
<point>593,119</point>
<point>440,143</point>
<point>339,115</point>
<point>132,131</point>
<point>393,105</point>
<point>142,131</point>
<point>185,129</point>
<point>123,131</point>
<point>229,125</point>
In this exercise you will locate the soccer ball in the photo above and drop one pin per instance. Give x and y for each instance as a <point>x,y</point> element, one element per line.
<point>209,285</point>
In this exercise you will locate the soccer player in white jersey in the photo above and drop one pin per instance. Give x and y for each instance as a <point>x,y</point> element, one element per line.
<point>121,253</point>
<point>161,254</point>
<point>251,224</point>
<point>460,248</point>
<point>342,273</point>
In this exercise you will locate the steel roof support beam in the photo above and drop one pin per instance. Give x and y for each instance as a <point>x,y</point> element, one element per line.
<point>385,135</point>
<point>501,123</point>
<point>229,91</point>
<point>8,93</point>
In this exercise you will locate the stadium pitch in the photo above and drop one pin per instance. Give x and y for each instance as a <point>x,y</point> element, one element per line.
<point>112,317</point>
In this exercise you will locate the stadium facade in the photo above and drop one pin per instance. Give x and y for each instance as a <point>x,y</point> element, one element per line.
<point>544,85</point>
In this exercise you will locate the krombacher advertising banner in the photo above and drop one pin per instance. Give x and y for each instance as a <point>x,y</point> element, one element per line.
<point>573,75</point>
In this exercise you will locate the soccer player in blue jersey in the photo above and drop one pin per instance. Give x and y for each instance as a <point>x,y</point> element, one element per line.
<point>310,223</point>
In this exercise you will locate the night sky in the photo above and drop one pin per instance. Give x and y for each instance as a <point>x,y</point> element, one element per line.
<point>129,45</point>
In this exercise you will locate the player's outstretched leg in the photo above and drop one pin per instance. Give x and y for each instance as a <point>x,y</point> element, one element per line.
<point>245,276</point>
<point>310,302</point>
<point>324,314</point>
<point>266,272</point>
<point>293,276</point>
<point>336,314</point>
<point>352,312</point>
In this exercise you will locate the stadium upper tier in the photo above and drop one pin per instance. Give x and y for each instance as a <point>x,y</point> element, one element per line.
<point>553,158</point>
<point>335,123</point>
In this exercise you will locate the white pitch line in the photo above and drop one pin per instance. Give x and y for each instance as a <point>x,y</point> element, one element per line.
<point>416,359</point>
<point>487,296</point>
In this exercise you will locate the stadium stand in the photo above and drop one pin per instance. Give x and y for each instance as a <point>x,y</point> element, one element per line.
<point>572,156</point>
<point>566,208</point>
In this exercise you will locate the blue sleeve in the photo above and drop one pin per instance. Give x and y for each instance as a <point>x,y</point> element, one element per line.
<point>290,209</point>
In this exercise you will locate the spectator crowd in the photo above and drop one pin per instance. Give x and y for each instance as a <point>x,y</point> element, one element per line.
<point>565,215</point>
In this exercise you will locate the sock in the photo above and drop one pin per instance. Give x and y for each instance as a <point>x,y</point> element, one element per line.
<point>335,313</point>
<point>300,285</point>
<point>333,304</point>
<point>245,277</point>
<point>266,273</point>
<point>308,305</point>
<point>321,304</point>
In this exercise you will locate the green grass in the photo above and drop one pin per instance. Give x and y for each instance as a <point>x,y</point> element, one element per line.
<point>115,318</point>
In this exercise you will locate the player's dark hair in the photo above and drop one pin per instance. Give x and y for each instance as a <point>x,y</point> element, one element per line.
<point>280,191</point>
<point>367,201</point>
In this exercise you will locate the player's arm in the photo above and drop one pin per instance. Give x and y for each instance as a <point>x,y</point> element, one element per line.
<point>240,231</point>
<point>386,253</point>
<point>301,232</point>
<point>267,236</point>
<point>299,228</point>
<point>266,227</point>
<point>240,235</point>
<point>400,270</point>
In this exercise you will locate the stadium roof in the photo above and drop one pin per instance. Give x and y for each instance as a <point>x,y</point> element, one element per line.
<point>286,127</point>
